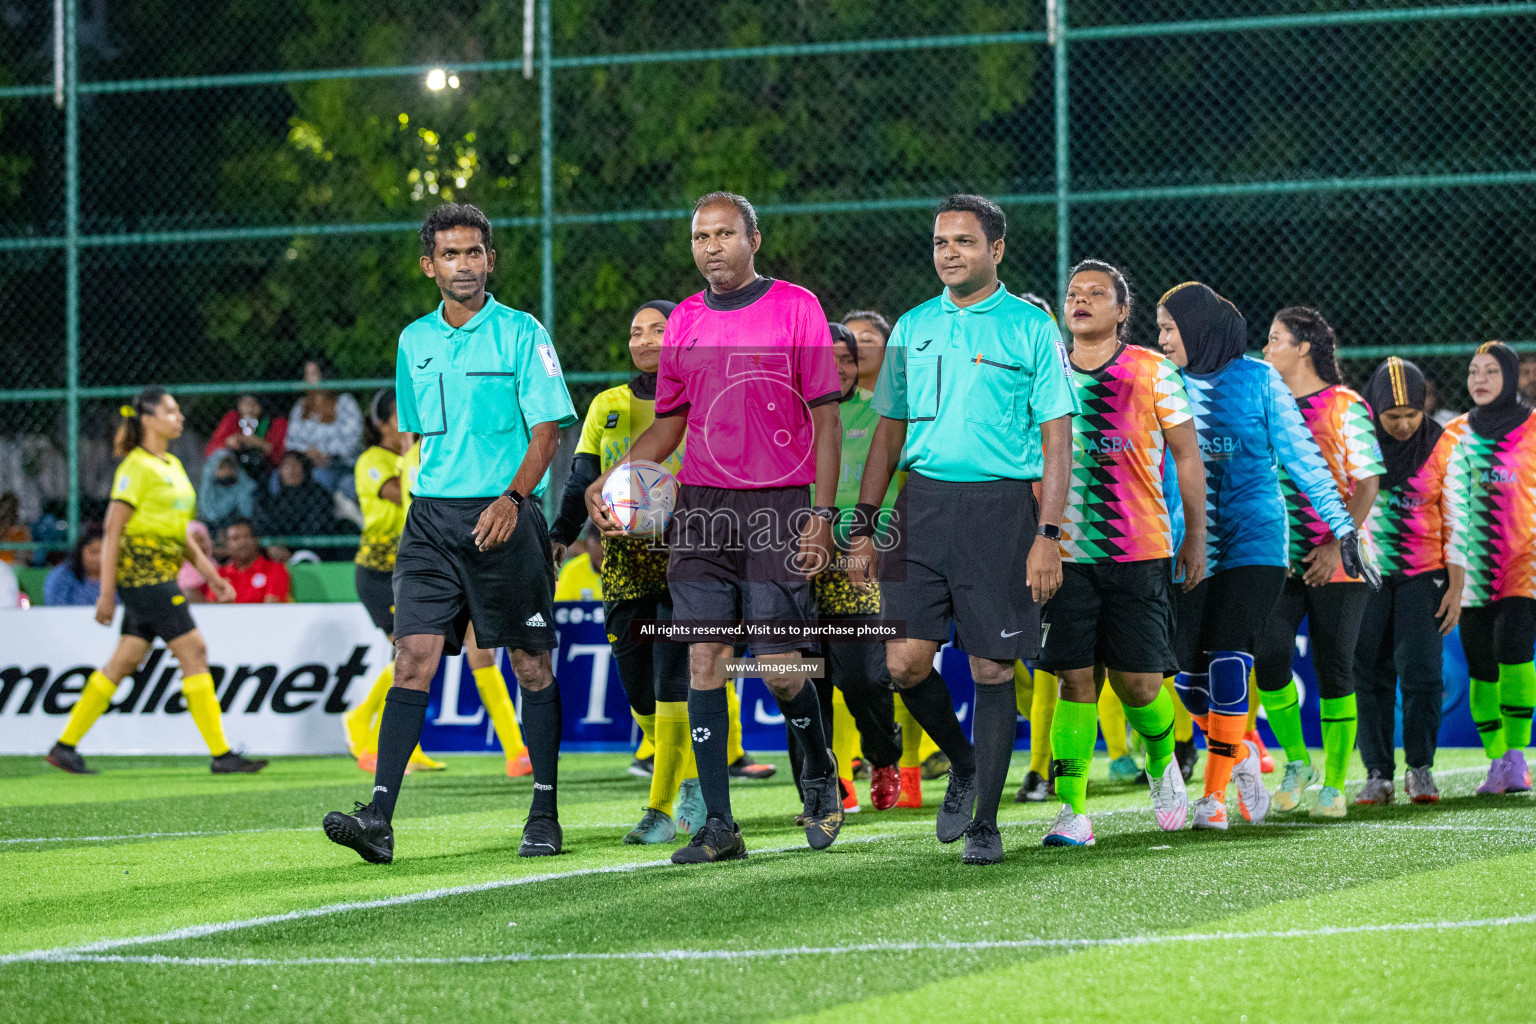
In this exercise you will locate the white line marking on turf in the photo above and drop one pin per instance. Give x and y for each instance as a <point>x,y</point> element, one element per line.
<point>65,956</point>
<point>202,930</point>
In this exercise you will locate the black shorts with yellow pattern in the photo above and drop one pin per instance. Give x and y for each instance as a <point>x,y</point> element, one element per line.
<point>378,555</point>
<point>837,596</point>
<point>144,560</point>
<point>633,567</point>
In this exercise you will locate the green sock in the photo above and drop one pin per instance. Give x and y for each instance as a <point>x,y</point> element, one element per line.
<point>1340,722</point>
<point>1155,724</point>
<point>1484,700</point>
<point>1073,731</point>
<point>1517,694</point>
<point>1283,709</point>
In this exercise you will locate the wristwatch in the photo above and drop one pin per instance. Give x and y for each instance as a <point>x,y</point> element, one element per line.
<point>827,512</point>
<point>517,499</point>
<point>1049,531</point>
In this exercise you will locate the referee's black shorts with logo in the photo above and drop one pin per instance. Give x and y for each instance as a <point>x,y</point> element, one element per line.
<point>961,557</point>
<point>443,582</point>
<point>1116,614</point>
<point>733,559</point>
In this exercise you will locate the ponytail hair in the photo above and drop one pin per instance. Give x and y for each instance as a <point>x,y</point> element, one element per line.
<point>130,432</point>
<point>380,409</point>
<point>1308,325</point>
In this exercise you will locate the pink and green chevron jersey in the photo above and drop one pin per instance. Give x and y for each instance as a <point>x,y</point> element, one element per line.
<point>1490,499</point>
<point>1115,507</point>
<point>1341,425</point>
<point>1407,526</point>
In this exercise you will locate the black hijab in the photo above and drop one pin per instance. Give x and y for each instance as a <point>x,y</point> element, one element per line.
<point>1507,411</point>
<point>643,386</point>
<point>1214,332</point>
<point>1399,384</point>
<point>845,336</point>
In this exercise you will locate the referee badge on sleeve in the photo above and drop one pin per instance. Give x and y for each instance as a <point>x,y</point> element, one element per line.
<point>547,354</point>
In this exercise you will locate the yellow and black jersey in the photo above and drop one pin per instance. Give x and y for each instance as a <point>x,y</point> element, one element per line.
<point>382,519</point>
<point>632,567</point>
<point>154,541</point>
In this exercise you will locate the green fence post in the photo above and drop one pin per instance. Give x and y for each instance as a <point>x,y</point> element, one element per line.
<point>72,263</point>
<point>1057,11</point>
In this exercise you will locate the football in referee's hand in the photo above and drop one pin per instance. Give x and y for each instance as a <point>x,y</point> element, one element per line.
<point>641,496</point>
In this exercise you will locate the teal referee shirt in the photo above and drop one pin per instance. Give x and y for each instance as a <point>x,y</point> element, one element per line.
<point>473,393</point>
<point>974,384</point>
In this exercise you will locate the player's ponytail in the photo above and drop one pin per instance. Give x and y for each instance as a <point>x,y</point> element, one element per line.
<point>130,432</point>
<point>380,409</point>
<point>1308,325</point>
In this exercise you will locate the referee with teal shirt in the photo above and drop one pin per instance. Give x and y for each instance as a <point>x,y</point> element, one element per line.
<point>481,384</point>
<point>975,401</point>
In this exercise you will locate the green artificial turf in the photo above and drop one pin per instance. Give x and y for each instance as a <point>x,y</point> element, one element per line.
<point>1296,921</point>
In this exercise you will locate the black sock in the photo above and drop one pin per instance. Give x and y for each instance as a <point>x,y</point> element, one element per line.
<point>709,723</point>
<point>874,712</point>
<point>803,713</point>
<point>929,703</point>
<point>405,712</point>
<point>541,734</point>
<point>994,723</point>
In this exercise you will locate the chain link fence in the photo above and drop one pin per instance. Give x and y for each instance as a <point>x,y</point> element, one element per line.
<point>208,196</point>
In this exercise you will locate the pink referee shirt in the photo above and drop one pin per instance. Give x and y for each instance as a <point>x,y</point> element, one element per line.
<point>747,369</point>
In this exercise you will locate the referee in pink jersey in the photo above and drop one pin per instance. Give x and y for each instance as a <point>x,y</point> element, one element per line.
<point>749,374</point>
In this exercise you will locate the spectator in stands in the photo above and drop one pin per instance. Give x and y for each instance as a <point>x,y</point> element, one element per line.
<point>253,438</point>
<point>227,492</point>
<point>193,585</point>
<point>327,428</point>
<point>1527,385</point>
<point>1434,407</point>
<point>301,507</point>
<point>256,578</point>
<point>77,579</point>
<point>13,530</point>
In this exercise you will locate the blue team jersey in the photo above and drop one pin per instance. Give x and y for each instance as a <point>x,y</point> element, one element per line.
<point>1249,425</point>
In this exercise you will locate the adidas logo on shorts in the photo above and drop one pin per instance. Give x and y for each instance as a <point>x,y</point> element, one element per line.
<point>536,619</point>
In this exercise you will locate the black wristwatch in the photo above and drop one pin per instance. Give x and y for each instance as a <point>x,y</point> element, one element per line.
<point>827,512</point>
<point>1049,531</point>
<point>517,499</point>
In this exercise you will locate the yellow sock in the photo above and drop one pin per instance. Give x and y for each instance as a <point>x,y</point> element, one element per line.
<point>647,747</point>
<point>94,699</point>
<point>1023,688</point>
<point>1183,722</point>
<point>845,735</point>
<point>911,736</point>
<point>498,704</point>
<point>1042,711</point>
<point>1253,702</point>
<point>197,691</point>
<point>734,751</point>
<point>1112,721</point>
<point>674,752</point>
<point>359,721</point>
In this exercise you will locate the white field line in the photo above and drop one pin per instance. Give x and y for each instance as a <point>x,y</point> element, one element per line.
<point>66,956</point>
<point>202,930</point>
<point>488,828</point>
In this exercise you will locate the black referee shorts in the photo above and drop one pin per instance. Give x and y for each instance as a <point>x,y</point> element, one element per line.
<point>376,589</point>
<point>962,557</point>
<point>443,582</point>
<point>1116,614</point>
<point>159,610</point>
<point>733,560</point>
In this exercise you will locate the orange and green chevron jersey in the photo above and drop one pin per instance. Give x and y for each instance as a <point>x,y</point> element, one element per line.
<point>1408,528</point>
<point>1490,500</point>
<point>1115,507</point>
<point>1341,425</point>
